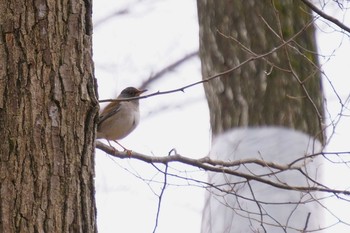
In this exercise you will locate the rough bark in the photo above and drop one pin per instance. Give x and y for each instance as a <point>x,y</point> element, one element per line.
<point>282,89</point>
<point>47,112</point>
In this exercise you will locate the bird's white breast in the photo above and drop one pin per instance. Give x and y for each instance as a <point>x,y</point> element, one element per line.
<point>119,127</point>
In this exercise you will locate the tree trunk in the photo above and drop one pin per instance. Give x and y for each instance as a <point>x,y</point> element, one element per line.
<point>279,85</point>
<point>47,112</point>
<point>283,88</point>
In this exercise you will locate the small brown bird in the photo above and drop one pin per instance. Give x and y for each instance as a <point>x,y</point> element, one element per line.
<point>120,118</point>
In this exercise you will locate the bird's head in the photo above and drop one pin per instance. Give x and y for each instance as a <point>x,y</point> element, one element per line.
<point>130,92</point>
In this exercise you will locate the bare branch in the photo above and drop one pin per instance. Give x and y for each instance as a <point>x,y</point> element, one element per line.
<point>325,16</point>
<point>168,68</point>
<point>110,16</point>
<point>123,11</point>
<point>183,88</point>
<point>213,167</point>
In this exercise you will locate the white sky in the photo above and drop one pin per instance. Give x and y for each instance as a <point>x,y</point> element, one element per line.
<point>127,50</point>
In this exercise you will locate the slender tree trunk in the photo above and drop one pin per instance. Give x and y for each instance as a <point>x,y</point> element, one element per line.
<point>47,112</point>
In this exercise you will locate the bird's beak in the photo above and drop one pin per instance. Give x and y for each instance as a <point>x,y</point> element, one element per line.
<point>140,92</point>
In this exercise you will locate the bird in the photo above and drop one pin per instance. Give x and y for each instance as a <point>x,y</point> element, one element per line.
<point>119,118</point>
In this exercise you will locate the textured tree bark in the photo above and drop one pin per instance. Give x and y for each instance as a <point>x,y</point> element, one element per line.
<point>47,111</point>
<point>284,88</point>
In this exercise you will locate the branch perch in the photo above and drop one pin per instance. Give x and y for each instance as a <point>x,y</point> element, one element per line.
<point>210,165</point>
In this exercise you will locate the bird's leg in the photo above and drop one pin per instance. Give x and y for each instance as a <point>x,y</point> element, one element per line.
<point>120,144</point>
<point>115,150</point>
<point>126,150</point>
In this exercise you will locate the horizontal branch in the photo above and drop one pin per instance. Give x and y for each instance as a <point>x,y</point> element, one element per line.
<point>217,166</point>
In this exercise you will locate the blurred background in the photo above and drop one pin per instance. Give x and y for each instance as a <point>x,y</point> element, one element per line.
<point>133,42</point>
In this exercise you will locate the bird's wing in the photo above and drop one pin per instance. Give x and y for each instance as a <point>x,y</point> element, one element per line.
<point>106,113</point>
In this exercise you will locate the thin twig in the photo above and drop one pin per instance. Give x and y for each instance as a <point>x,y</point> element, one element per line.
<point>258,205</point>
<point>306,222</point>
<point>161,193</point>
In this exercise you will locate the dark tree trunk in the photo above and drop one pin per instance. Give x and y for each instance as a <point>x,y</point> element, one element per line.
<point>47,112</point>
